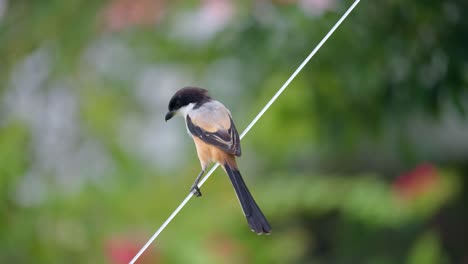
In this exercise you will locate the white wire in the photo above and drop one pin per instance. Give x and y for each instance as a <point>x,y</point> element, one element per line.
<point>254,121</point>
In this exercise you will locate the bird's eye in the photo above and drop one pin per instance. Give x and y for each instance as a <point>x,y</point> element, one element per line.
<point>173,104</point>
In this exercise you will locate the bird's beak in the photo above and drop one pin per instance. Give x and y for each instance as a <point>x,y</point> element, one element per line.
<point>169,115</point>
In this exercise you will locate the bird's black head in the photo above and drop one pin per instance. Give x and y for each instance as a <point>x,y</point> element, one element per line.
<point>184,97</point>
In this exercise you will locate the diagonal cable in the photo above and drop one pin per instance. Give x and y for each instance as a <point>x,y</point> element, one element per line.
<point>254,121</point>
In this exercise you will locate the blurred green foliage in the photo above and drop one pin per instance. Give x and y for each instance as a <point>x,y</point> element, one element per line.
<point>362,160</point>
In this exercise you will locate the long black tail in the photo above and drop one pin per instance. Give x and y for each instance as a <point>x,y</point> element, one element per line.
<point>257,221</point>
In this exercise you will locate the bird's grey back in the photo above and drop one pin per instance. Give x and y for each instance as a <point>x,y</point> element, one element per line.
<point>211,116</point>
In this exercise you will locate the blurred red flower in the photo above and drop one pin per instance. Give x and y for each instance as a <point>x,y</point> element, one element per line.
<point>417,182</point>
<point>120,14</point>
<point>121,250</point>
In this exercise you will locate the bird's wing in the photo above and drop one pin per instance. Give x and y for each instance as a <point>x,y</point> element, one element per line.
<point>213,124</point>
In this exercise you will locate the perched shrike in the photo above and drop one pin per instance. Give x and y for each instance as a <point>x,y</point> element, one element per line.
<point>210,124</point>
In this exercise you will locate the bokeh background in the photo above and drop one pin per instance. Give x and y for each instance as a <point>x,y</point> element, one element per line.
<point>364,159</point>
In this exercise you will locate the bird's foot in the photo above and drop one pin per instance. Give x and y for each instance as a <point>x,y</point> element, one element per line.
<point>195,191</point>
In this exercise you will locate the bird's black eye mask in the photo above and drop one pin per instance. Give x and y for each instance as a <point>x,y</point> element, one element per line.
<point>175,103</point>
<point>187,96</point>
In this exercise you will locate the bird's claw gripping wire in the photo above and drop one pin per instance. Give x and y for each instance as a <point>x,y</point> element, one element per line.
<point>195,190</point>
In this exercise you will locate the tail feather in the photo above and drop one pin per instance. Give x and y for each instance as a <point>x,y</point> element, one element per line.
<point>257,221</point>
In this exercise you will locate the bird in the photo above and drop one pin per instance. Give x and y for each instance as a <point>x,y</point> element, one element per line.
<point>212,129</point>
